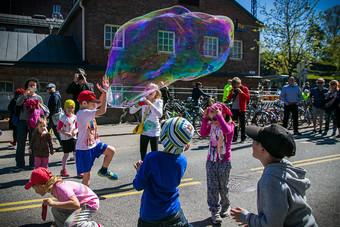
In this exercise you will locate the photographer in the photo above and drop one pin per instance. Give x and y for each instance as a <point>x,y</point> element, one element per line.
<point>239,96</point>
<point>78,85</point>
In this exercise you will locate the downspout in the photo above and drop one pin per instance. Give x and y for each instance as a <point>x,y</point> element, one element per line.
<point>83,28</point>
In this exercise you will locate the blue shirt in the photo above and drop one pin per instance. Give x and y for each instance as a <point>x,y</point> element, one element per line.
<point>159,176</point>
<point>291,94</point>
<point>318,96</point>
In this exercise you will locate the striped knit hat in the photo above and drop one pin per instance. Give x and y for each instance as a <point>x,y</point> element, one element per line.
<point>176,133</point>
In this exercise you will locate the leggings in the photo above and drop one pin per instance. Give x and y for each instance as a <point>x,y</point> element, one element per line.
<point>144,141</point>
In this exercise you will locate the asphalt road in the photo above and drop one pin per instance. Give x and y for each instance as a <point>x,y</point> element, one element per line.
<point>119,203</point>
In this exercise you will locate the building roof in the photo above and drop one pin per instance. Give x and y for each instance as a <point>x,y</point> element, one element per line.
<point>17,47</point>
<point>76,7</point>
<point>30,21</point>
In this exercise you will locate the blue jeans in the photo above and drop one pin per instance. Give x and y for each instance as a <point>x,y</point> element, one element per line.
<point>22,131</point>
<point>177,220</point>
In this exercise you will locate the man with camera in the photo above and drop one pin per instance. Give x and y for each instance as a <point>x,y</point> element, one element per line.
<point>78,85</point>
<point>239,96</point>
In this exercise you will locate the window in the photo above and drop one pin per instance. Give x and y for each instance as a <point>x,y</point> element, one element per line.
<point>190,2</point>
<point>110,37</point>
<point>236,52</point>
<point>56,9</point>
<point>23,30</point>
<point>210,46</point>
<point>6,86</point>
<point>166,42</point>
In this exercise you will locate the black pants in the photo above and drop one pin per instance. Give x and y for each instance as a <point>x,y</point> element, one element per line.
<point>178,220</point>
<point>22,132</point>
<point>286,114</point>
<point>330,115</point>
<point>240,117</point>
<point>144,142</point>
<point>54,128</point>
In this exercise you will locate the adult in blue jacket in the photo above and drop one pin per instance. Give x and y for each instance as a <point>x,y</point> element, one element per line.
<point>318,95</point>
<point>160,174</point>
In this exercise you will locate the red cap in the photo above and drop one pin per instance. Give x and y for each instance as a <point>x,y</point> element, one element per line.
<point>39,176</point>
<point>87,96</point>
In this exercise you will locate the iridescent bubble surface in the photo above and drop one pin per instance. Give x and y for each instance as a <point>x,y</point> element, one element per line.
<point>165,46</point>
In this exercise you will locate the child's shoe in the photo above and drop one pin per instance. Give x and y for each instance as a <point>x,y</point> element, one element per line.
<point>64,173</point>
<point>225,212</point>
<point>216,219</point>
<point>109,174</point>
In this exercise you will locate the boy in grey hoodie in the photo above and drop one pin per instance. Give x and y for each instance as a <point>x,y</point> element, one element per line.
<point>281,199</point>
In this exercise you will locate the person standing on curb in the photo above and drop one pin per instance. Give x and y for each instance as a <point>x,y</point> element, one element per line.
<point>291,97</point>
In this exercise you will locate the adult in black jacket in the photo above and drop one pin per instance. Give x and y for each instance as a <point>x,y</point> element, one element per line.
<point>14,112</point>
<point>54,106</point>
<point>78,85</point>
<point>197,93</point>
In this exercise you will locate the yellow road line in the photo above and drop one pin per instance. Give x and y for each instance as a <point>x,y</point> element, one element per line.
<point>40,200</point>
<point>123,194</point>
<point>317,162</point>
<point>21,202</point>
<point>115,195</point>
<point>304,161</point>
<point>20,208</point>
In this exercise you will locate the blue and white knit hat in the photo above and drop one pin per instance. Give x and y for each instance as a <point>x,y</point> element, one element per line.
<point>176,133</point>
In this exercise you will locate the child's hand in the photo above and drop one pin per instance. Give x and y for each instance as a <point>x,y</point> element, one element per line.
<point>48,202</point>
<point>236,213</point>
<point>138,164</point>
<point>105,85</point>
<point>68,133</point>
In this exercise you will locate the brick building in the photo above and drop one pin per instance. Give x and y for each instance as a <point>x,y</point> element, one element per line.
<point>92,25</point>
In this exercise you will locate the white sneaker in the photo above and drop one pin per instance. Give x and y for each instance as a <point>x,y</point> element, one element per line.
<point>216,219</point>
<point>225,212</point>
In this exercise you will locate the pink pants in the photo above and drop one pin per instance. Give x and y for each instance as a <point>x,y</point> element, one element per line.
<point>40,162</point>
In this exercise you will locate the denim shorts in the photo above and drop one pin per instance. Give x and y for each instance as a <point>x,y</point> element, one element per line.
<point>85,158</point>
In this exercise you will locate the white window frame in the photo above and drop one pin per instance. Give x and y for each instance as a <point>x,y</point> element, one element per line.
<point>168,42</point>
<point>241,50</point>
<point>208,44</point>
<point>7,81</point>
<point>23,30</point>
<point>56,9</point>
<point>113,36</point>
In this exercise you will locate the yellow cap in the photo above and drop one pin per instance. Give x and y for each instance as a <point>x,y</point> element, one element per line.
<point>68,103</point>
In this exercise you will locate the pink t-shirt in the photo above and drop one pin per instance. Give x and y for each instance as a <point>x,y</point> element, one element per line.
<point>88,136</point>
<point>64,190</point>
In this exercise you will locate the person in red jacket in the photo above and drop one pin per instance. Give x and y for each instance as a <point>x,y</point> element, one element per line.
<point>239,96</point>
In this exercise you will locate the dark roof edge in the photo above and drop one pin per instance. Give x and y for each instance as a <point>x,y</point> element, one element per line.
<point>69,16</point>
<point>247,12</point>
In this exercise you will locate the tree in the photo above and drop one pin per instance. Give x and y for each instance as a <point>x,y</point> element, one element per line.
<point>285,33</point>
<point>332,21</point>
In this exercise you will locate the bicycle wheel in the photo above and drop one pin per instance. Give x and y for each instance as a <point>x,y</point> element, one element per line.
<point>261,119</point>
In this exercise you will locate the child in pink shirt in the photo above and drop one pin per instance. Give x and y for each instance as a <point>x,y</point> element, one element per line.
<point>217,123</point>
<point>75,202</point>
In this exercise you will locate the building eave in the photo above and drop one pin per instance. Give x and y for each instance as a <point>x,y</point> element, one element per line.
<point>69,17</point>
<point>248,13</point>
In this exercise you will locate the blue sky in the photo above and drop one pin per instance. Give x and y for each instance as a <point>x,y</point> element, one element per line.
<point>322,5</point>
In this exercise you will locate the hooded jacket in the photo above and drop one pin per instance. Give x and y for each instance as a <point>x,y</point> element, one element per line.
<point>281,199</point>
<point>54,103</point>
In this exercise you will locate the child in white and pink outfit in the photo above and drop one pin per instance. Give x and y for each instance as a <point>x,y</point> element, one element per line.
<point>217,123</point>
<point>68,129</point>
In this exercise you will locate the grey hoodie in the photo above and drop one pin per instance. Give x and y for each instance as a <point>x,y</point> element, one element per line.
<point>281,199</point>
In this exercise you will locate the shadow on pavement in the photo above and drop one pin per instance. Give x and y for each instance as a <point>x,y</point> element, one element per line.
<point>203,223</point>
<point>117,189</point>
<point>13,184</point>
<point>48,224</point>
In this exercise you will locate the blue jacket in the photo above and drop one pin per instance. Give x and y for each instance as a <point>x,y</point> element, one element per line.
<point>318,96</point>
<point>159,176</point>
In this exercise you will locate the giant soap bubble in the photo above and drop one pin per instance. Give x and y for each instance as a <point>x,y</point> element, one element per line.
<point>165,46</point>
